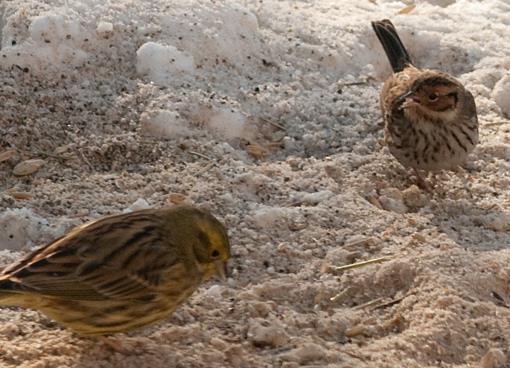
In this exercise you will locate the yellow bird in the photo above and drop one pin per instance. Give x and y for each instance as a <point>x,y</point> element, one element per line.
<point>120,272</point>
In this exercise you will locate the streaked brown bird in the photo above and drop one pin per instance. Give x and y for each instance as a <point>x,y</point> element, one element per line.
<point>120,272</point>
<point>430,118</point>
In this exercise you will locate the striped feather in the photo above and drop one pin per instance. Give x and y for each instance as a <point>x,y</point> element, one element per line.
<point>119,272</point>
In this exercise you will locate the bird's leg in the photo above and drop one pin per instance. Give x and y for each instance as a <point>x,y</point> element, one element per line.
<point>422,183</point>
<point>123,346</point>
<point>437,180</point>
<point>463,174</point>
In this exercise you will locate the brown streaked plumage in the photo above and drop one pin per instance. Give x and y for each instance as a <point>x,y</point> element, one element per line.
<point>430,118</point>
<point>120,272</point>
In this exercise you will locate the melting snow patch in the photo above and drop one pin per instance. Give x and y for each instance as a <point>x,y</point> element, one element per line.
<point>160,62</point>
<point>163,123</point>
<point>20,228</point>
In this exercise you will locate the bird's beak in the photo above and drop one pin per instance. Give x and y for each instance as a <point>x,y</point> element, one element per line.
<point>408,99</point>
<point>405,96</point>
<point>221,270</point>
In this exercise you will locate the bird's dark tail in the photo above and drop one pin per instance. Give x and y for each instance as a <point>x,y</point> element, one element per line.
<point>393,46</point>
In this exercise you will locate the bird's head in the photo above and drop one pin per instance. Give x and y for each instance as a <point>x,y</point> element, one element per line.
<point>435,98</point>
<point>211,245</point>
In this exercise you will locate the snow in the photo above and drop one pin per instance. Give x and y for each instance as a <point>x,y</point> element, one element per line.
<point>22,228</point>
<point>51,40</point>
<point>139,204</point>
<point>163,123</point>
<point>266,217</point>
<point>266,113</point>
<point>104,28</point>
<point>501,94</point>
<point>160,62</point>
<point>228,124</point>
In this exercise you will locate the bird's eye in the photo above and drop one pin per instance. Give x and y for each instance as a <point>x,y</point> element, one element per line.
<point>215,253</point>
<point>432,97</point>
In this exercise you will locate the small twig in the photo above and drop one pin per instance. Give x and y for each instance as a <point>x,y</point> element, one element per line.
<point>82,155</point>
<point>200,155</point>
<point>361,264</point>
<point>496,123</point>
<point>346,84</point>
<point>367,242</point>
<point>352,355</point>
<point>390,303</point>
<point>50,155</point>
<point>42,153</point>
<point>339,297</point>
<point>276,125</point>
<point>62,126</point>
<point>206,167</point>
<point>368,304</point>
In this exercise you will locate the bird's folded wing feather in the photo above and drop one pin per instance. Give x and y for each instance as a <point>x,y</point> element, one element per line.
<point>122,265</point>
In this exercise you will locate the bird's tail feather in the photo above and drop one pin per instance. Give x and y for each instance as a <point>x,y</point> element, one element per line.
<point>393,46</point>
<point>7,294</point>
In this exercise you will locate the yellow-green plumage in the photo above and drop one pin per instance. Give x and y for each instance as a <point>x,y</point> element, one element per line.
<point>120,272</point>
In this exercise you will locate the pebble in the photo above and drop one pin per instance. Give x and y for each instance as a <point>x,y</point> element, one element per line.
<point>392,199</point>
<point>214,291</point>
<point>28,167</point>
<point>7,154</point>
<point>306,353</point>
<point>261,335</point>
<point>497,221</point>
<point>494,358</point>
<point>413,197</point>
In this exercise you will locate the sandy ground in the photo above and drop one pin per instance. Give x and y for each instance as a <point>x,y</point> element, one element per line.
<point>267,114</point>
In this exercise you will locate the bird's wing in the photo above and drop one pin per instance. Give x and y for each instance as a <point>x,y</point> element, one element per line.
<point>95,262</point>
<point>470,109</point>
